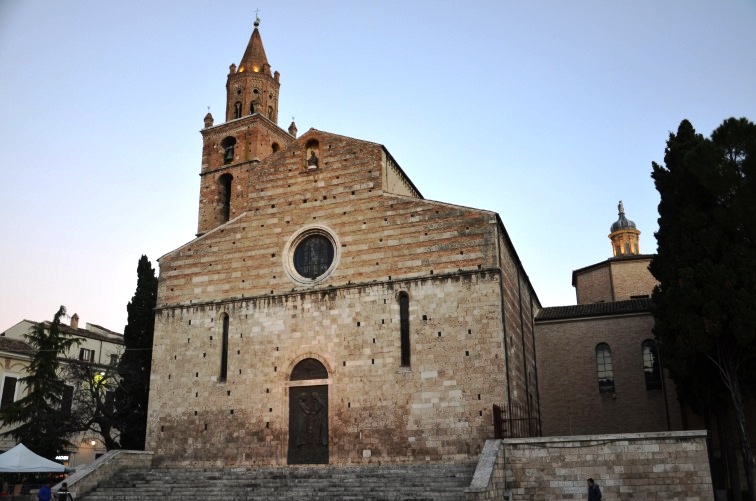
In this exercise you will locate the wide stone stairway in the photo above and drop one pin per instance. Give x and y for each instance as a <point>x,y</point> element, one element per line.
<point>437,482</point>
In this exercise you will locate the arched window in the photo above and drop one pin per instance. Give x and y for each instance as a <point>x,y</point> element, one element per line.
<point>227,148</point>
<point>275,147</point>
<point>224,349</point>
<point>651,367</point>
<point>270,112</point>
<point>237,109</point>
<point>605,371</point>
<point>404,328</point>
<point>251,108</point>
<point>224,196</point>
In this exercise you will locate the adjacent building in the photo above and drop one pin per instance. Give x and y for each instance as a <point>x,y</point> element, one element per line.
<point>97,345</point>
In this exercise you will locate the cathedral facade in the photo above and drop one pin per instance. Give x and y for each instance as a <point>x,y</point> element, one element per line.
<point>327,313</point>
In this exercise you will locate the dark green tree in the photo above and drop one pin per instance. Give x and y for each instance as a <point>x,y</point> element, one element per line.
<point>134,366</point>
<point>42,417</point>
<point>706,268</point>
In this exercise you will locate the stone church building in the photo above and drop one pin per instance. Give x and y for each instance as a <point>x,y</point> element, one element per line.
<point>326,312</point>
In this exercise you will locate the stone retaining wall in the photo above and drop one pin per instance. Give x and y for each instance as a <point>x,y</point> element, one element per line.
<point>666,465</point>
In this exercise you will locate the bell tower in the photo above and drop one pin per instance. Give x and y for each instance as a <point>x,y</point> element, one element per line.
<point>232,150</point>
<point>624,235</point>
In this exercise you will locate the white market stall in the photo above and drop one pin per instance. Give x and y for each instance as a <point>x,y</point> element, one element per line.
<point>22,460</point>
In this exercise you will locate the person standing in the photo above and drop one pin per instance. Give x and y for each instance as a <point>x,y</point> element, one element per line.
<point>63,494</point>
<point>594,493</point>
<point>44,493</point>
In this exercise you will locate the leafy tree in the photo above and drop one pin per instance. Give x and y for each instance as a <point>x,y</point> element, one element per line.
<point>43,423</point>
<point>706,268</point>
<point>135,364</point>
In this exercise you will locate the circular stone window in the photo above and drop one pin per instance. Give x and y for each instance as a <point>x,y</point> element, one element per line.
<point>311,255</point>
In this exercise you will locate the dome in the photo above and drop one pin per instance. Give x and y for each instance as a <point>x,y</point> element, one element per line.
<point>622,223</point>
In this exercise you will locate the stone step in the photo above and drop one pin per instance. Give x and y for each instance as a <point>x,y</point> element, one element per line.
<point>437,482</point>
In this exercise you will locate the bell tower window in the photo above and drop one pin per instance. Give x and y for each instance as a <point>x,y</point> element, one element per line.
<point>227,148</point>
<point>237,109</point>
<point>224,196</point>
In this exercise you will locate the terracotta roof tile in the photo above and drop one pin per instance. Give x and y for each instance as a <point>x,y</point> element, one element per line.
<point>595,309</point>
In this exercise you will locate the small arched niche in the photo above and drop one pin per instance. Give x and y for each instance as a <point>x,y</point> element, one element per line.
<point>312,154</point>
<point>275,147</point>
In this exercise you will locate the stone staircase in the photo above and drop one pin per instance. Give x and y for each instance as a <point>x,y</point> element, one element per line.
<point>436,482</point>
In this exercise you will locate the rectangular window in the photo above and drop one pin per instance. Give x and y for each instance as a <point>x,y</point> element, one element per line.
<point>9,391</point>
<point>113,359</point>
<point>86,355</point>
<point>66,400</point>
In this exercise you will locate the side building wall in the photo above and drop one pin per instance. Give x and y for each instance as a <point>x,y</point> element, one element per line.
<point>570,398</point>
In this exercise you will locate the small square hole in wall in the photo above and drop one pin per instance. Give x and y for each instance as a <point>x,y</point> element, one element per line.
<point>238,352</point>
<point>267,390</point>
<point>190,322</point>
<point>467,353</point>
<point>439,334</point>
<point>196,374</point>
<point>372,361</point>
<point>211,338</point>
<point>232,411</point>
<point>478,396</point>
<point>239,371</point>
<point>174,357</point>
<point>275,369</point>
<point>195,413</point>
<point>205,426</point>
<point>204,355</point>
<point>267,425</point>
<point>162,428</point>
<point>169,376</point>
<point>228,393</point>
<point>425,317</point>
<point>358,324</point>
<point>349,404</point>
<point>196,394</point>
<point>373,340</point>
<point>270,409</point>
<point>481,413</point>
<point>343,364</point>
<point>469,331</point>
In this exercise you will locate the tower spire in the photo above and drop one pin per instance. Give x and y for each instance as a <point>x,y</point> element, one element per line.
<point>254,58</point>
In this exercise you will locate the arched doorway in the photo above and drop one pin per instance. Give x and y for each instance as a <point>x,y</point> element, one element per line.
<point>308,414</point>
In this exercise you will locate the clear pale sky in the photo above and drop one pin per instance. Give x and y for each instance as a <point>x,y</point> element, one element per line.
<point>548,112</point>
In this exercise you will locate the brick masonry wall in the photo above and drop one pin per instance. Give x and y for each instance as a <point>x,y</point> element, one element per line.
<point>671,465</point>
<point>632,278</point>
<point>594,285</point>
<point>571,402</point>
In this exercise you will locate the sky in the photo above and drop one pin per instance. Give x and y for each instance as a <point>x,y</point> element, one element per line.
<point>545,111</point>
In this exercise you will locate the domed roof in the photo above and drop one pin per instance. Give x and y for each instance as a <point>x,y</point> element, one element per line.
<point>622,223</point>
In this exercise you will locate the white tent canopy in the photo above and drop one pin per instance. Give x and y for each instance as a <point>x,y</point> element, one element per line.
<point>22,460</point>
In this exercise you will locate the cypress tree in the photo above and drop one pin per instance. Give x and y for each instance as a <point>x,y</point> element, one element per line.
<point>135,364</point>
<point>706,268</point>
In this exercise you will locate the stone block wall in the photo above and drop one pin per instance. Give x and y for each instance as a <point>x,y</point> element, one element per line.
<point>670,465</point>
<point>438,409</point>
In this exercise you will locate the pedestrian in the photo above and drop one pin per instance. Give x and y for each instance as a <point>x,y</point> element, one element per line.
<point>44,493</point>
<point>594,493</point>
<point>64,495</point>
